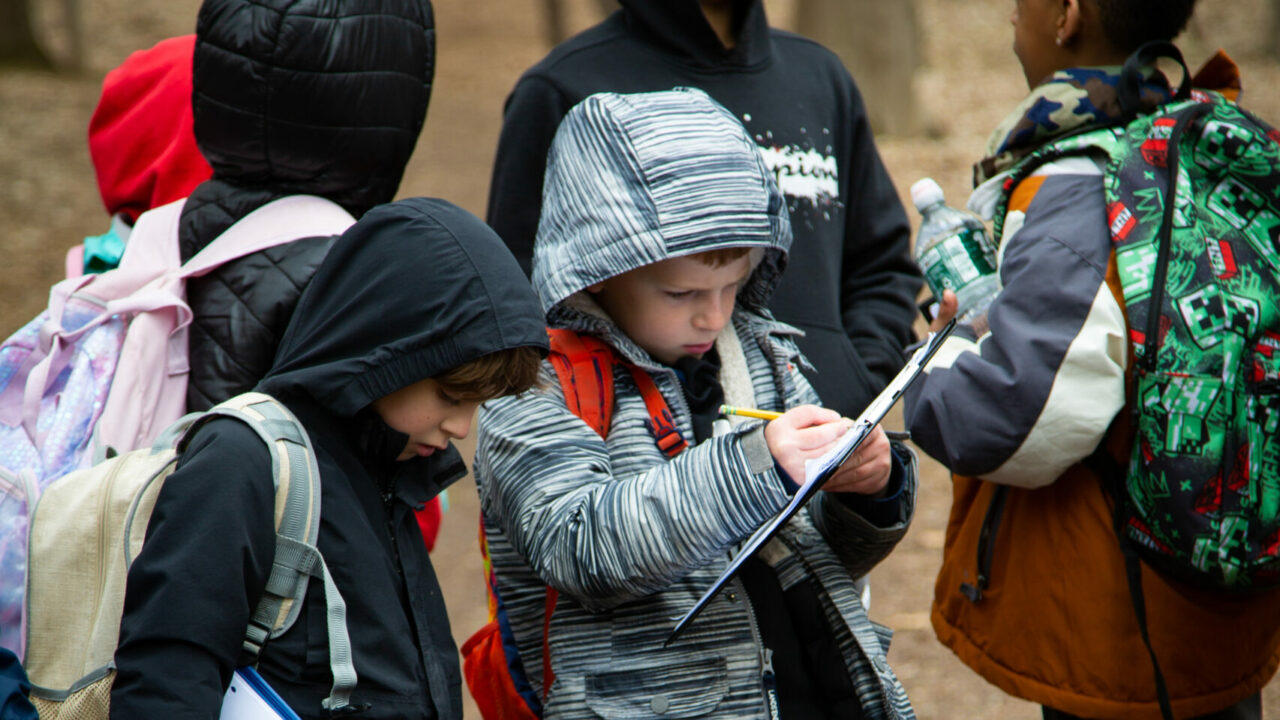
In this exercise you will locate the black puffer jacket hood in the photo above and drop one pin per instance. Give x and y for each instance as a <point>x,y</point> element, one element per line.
<point>414,289</point>
<point>680,25</point>
<point>323,97</point>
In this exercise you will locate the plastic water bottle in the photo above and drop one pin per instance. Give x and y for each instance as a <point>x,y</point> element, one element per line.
<point>954,252</point>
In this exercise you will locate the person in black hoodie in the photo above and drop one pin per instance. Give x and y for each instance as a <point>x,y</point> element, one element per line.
<point>291,97</point>
<point>851,284</point>
<point>417,314</point>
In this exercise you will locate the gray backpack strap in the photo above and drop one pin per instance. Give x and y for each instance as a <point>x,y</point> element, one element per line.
<point>297,560</point>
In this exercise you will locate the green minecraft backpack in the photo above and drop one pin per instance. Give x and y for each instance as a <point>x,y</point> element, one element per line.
<point>1193,203</point>
<point>1193,207</point>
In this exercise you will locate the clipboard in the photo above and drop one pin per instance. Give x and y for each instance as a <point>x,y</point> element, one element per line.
<point>817,470</point>
<point>249,697</point>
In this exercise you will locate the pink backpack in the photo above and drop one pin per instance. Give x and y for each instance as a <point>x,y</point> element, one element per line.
<point>104,369</point>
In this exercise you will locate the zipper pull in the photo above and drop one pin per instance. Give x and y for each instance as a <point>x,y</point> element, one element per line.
<point>771,685</point>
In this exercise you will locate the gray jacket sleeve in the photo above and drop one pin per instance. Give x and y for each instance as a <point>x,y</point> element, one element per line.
<point>546,478</point>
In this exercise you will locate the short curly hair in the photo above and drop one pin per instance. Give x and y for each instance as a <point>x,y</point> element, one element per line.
<point>1130,24</point>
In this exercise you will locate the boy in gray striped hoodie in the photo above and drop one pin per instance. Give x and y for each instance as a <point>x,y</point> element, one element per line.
<point>662,235</point>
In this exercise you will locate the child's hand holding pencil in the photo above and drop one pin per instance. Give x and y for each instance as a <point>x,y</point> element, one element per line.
<point>808,432</point>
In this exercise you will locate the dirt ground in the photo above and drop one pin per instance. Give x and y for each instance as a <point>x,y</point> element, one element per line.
<point>48,201</point>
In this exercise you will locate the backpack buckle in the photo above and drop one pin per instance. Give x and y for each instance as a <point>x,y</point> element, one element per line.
<point>255,638</point>
<point>666,436</point>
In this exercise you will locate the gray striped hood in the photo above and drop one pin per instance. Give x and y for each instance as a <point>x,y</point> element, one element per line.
<point>639,178</point>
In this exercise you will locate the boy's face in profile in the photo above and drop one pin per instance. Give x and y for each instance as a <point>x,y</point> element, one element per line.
<point>429,415</point>
<point>674,307</point>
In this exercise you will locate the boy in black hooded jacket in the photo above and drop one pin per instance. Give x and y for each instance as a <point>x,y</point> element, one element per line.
<point>416,315</point>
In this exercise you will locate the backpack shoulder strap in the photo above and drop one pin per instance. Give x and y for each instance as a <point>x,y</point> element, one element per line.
<point>661,423</point>
<point>276,223</point>
<point>297,513</point>
<point>1103,140</point>
<point>153,244</point>
<point>584,365</point>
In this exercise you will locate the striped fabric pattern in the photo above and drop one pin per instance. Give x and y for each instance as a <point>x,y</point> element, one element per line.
<point>597,221</point>
<point>630,538</point>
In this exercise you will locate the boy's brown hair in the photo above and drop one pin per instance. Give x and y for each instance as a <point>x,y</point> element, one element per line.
<point>505,372</point>
<point>722,257</point>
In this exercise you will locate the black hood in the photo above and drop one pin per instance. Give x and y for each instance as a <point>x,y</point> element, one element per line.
<point>415,288</point>
<point>680,25</point>
<point>322,97</point>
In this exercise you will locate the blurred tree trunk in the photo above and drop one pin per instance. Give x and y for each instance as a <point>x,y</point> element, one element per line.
<point>554,11</point>
<point>75,35</point>
<point>1275,30</point>
<point>18,44</point>
<point>880,43</point>
<point>557,31</point>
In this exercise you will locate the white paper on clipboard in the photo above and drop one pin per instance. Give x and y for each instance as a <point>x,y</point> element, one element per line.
<point>819,469</point>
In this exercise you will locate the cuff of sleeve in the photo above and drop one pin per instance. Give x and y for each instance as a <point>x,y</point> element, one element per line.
<point>882,511</point>
<point>791,486</point>
<point>756,449</point>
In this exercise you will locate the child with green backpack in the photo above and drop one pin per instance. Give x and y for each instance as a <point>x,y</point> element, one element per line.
<point>1114,543</point>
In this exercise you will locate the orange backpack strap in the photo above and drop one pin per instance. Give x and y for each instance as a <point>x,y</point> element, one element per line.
<point>661,423</point>
<point>584,366</point>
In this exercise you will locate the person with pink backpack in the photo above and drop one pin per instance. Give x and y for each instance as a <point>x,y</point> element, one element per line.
<point>304,129</point>
<point>142,146</point>
<point>144,155</point>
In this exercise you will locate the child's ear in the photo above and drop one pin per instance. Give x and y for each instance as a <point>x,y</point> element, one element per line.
<point>594,289</point>
<point>1069,22</point>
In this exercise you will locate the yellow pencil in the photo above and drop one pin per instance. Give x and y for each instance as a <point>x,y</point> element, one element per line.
<point>749,412</point>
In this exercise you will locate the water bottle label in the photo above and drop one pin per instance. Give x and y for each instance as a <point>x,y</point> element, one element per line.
<point>956,261</point>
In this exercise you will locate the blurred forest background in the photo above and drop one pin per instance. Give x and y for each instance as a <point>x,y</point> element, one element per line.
<point>937,74</point>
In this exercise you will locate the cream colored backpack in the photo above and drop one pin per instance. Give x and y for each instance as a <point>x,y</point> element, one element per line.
<point>88,527</point>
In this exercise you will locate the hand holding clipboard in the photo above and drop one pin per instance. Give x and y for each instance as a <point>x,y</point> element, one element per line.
<point>818,470</point>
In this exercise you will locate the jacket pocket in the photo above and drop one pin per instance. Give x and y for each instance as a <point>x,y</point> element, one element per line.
<point>687,689</point>
<point>884,634</point>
